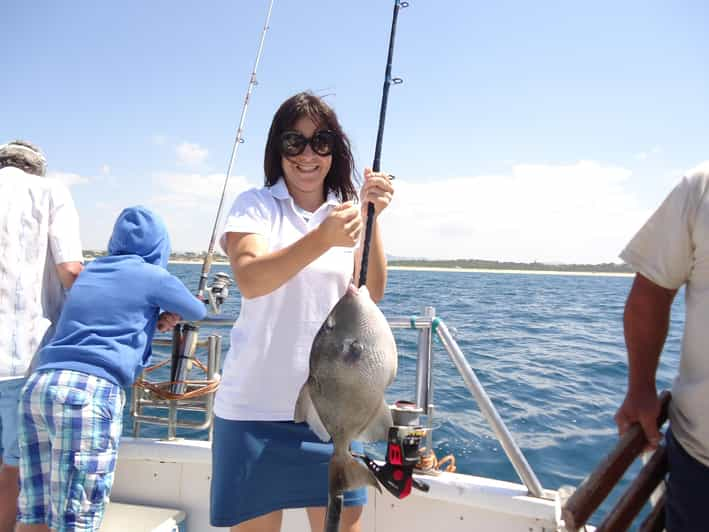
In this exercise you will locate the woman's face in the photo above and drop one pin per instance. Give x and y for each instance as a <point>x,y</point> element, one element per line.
<point>306,172</point>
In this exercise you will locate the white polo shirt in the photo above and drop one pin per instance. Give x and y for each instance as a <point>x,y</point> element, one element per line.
<point>672,249</point>
<point>267,362</point>
<point>39,228</point>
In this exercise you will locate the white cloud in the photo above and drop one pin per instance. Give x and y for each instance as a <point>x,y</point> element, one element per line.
<point>188,203</point>
<point>69,178</point>
<point>576,213</point>
<point>159,140</point>
<point>191,154</point>
<point>644,155</point>
<point>105,170</point>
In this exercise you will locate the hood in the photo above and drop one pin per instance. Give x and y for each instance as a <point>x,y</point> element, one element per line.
<point>139,231</point>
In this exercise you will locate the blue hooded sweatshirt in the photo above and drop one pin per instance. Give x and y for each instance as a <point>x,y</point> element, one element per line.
<point>107,324</point>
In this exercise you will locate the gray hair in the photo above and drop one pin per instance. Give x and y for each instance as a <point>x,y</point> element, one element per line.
<point>23,155</point>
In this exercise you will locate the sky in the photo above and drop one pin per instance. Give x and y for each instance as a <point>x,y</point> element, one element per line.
<point>524,131</point>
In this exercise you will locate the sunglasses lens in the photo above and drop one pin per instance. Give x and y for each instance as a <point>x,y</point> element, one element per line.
<point>323,142</point>
<point>292,144</point>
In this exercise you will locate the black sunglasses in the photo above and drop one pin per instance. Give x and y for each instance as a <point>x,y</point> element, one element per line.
<point>294,143</point>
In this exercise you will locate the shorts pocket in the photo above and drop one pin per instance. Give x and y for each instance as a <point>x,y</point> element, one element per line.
<point>68,396</point>
<point>92,480</point>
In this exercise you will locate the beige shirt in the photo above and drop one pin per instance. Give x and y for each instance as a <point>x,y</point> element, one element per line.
<point>39,228</point>
<point>672,249</point>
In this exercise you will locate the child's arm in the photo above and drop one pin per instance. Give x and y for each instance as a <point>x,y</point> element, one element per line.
<point>174,297</point>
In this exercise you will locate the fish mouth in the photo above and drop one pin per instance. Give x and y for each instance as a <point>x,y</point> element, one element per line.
<point>352,290</point>
<point>357,291</point>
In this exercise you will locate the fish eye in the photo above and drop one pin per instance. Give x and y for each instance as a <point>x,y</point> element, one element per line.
<point>330,322</point>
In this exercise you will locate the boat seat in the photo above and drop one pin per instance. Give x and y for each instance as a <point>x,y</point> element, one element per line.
<point>130,517</point>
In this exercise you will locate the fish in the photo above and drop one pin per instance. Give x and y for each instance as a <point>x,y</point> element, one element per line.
<point>353,360</point>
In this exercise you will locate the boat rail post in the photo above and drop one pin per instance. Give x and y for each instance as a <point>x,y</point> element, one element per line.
<point>136,407</point>
<point>183,355</point>
<point>214,349</point>
<point>172,420</point>
<point>424,376</point>
<point>513,452</point>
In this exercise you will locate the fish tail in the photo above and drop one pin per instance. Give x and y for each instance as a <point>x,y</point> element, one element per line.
<point>346,473</point>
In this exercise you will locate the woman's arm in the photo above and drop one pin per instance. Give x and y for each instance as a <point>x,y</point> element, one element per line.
<point>259,272</point>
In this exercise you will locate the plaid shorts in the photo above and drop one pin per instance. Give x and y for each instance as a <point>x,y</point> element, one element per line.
<point>69,428</point>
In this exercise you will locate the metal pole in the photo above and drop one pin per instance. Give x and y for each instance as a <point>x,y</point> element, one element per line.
<point>423,363</point>
<point>424,377</point>
<point>519,462</point>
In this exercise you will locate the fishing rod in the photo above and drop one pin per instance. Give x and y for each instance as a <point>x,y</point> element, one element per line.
<point>217,293</point>
<point>237,141</point>
<point>388,81</point>
<point>335,501</point>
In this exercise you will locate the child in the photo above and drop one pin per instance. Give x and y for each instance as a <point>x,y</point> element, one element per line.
<point>71,407</point>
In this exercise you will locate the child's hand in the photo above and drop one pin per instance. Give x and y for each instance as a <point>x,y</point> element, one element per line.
<point>167,321</point>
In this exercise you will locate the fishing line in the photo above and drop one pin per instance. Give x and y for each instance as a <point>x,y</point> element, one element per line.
<point>388,81</point>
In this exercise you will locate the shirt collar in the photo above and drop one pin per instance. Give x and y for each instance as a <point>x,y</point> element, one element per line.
<point>280,191</point>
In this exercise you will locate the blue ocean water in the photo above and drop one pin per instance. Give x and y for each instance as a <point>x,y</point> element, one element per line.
<point>548,349</point>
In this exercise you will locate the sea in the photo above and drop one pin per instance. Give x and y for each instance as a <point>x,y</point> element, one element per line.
<point>547,348</point>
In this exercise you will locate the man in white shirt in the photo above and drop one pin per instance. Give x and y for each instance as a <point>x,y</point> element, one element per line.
<point>41,257</point>
<point>669,251</point>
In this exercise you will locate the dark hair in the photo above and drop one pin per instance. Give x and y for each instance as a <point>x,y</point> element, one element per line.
<point>23,155</point>
<point>306,104</point>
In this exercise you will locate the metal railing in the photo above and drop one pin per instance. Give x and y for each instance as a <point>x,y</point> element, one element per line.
<point>143,398</point>
<point>427,325</point>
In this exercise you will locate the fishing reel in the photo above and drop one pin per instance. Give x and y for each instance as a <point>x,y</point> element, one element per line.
<point>402,454</point>
<point>218,292</point>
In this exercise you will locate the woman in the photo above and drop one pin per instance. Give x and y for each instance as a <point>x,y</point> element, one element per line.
<point>293,248</point>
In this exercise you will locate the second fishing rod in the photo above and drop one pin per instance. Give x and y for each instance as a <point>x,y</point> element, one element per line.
<point>185,336</point>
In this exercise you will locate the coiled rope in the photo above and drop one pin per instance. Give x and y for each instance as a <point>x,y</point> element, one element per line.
<point>429,462</point>
<point>162,389</point>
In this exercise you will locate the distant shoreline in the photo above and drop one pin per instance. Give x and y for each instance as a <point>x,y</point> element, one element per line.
<point>463,270</point>
<point>500,270</point>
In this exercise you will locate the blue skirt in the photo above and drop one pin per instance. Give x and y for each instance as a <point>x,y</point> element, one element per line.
<point>262,466</point>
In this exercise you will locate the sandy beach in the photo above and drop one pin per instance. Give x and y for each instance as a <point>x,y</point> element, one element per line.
<point>463,270</point>
<point>532,272</point>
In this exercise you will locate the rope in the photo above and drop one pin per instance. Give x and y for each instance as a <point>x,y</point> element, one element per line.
<point>429,462</point>
<point>162,389</point>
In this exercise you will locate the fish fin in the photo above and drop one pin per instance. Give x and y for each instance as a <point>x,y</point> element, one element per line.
<point>305,411</point>
<point>346,473</point>
<point>378,427</point>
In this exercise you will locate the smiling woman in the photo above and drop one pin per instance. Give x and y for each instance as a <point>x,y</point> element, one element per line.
<point>293,246</point>
<point>307,146</point>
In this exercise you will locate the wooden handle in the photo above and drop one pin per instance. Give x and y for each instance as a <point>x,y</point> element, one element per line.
<point>655,522</point>
<point>593,491</point>
<point>637,494</point>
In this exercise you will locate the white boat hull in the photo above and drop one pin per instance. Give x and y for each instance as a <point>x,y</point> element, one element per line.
<point>176,474</point>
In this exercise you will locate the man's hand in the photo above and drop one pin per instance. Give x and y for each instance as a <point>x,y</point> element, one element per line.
<point>644,408</point>
<point>167,321</point>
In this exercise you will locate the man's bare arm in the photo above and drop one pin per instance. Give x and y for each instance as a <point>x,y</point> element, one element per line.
<point>646,322</point>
